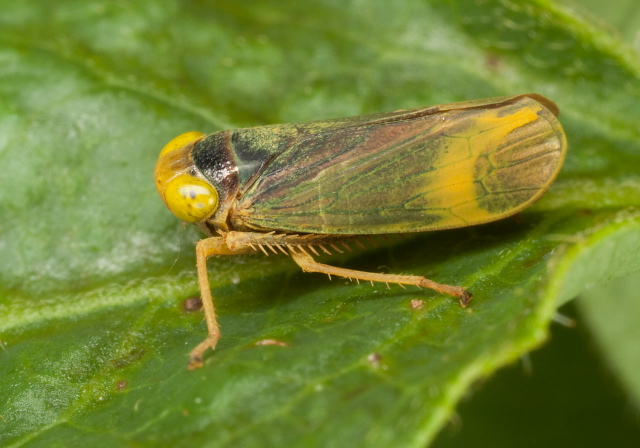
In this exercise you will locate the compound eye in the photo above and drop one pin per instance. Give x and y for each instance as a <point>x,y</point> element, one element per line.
<point>190,199</point>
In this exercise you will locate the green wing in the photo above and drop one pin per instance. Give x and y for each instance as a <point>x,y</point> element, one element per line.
<point>426,169</point>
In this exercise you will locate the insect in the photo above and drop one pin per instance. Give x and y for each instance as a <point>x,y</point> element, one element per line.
<point>300,189</point>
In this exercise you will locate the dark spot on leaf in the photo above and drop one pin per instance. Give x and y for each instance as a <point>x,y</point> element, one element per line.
<point>192,304</point>
<point>374,360</point>
<point>493,62</point>
<point>121,384</point>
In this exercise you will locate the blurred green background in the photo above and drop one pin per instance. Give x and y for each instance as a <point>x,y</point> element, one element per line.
<point>620,17</point>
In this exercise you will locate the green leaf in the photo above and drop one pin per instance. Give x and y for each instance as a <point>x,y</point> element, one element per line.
<point>94,270</point>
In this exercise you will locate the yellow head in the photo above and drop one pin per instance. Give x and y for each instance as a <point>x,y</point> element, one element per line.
<point>180,185</point>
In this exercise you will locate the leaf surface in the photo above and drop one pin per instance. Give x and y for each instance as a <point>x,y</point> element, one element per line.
<point>94,270</point>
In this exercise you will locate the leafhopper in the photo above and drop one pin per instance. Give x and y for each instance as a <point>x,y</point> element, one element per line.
<point>299,189</point>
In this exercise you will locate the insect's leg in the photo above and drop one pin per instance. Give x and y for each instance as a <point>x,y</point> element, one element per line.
<point>205,249</point>
<point>308,264</point>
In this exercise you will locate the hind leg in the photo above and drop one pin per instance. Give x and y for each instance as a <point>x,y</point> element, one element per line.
<point>308,264</point>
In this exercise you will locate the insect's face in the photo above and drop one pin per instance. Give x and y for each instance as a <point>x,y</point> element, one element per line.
<point>180,185</point>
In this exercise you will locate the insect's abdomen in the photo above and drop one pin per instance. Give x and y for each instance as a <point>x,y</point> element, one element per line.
<point>450,169</point>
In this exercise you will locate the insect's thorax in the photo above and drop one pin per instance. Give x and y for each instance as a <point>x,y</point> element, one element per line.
<point>231,161</point>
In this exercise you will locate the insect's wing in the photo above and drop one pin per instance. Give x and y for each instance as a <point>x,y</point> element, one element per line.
<point>426,169</point>
<point>345,124</point>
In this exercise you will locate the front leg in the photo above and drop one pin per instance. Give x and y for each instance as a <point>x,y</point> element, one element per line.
<point>204,249</point>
